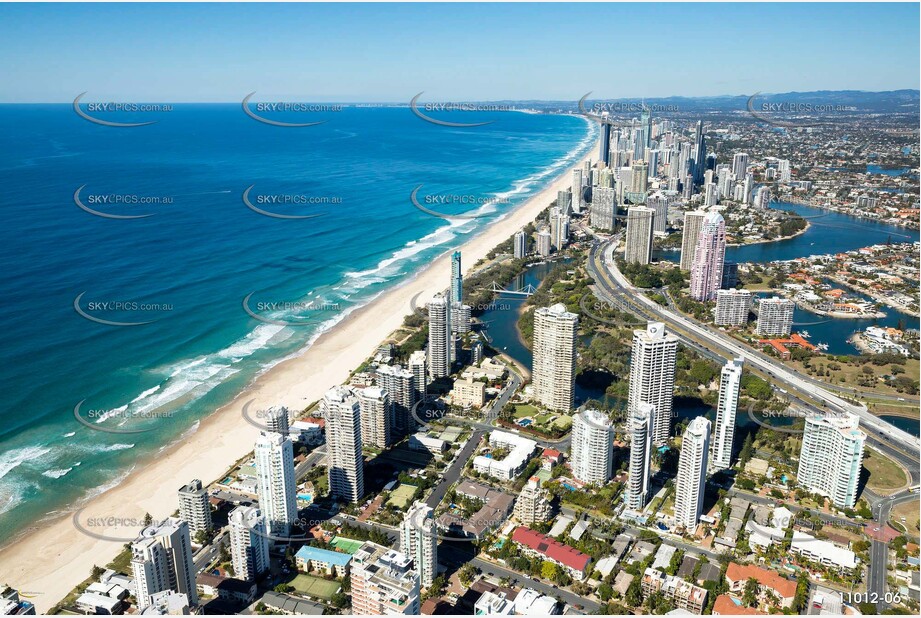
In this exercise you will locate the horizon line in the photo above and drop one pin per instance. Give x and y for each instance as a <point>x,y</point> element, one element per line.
<point>406,102</point>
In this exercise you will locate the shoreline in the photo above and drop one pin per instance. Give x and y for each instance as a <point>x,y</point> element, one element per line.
<point>50,560</point>
<point>761,242</point>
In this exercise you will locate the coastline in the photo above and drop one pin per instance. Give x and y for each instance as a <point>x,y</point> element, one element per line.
<point>47,562</point>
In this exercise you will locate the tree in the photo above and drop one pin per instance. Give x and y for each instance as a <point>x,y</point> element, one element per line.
<point>548,570</point>
<point>605,592</point>
<point>747,451</point>
<point>466,574</point>
<point>339,600</point>
<point>634,595</point>
<point>802,591</point>
<point>750,592</point>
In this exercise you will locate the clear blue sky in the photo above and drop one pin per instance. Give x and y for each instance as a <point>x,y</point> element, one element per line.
<point>221,52</point>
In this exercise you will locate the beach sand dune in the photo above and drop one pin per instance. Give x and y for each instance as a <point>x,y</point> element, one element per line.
<point>47,563</point>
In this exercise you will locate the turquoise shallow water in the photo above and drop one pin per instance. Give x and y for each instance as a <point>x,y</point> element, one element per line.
<point>191,264</point>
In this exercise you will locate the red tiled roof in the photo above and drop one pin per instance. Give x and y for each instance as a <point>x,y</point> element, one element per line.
<point>551,452</point>
<point>725,606</point>
<point>553,549</point>
<point>785,588</point>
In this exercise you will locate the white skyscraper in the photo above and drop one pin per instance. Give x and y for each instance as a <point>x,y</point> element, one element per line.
<point>544,243</point>
<point>740,164</point>
<point>276,483</point>
<point>440,339</point>
<point>161,559</point>
<point>341,410</point>
<point>640,225</point>
<point>659,203</point>
<point>419,541</point>
<point>520,248</point>
<point>692,222</point>
<point>592,447</point>
<point>402,391</point>
<point>383,582</point>
<point>417,366</point>
<point>603,208</point>
<point>249,543</point>
<point>554,364</point>
<point>725,427</point>
<point>460,318</point>
<point>374,404</point>
<point>640,427</point>
<point>732,307</point>
<point>775,316</point>
<point>194,507</point>
<point>577,191</point>
<point>830,460</point>
<point>559,230</point>
<point>652,376</point>
<point>692,473</point>
<point>275,420</point>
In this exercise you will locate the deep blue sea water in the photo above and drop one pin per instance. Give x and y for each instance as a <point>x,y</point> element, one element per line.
<point>199,255</point>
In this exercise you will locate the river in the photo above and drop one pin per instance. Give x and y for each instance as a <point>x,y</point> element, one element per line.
<point>830,233</point>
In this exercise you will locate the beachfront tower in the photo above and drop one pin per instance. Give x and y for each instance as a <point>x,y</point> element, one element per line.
<point>161,559</point>
<point>457,278</point>
<point>440,338</point>
<point>276,484</point>
<point>194,507</point>
<point>342,412</point>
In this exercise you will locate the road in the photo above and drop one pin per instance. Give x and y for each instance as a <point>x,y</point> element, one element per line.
<point>452,474</point>
<point>207,554</point>
<point>879,552</point>
<point>552,590</point>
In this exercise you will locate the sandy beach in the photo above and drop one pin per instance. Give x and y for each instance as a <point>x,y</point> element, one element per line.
<point>46,563</point>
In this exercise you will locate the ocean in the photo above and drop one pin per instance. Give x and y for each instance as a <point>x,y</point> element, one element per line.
<point>147,324</point>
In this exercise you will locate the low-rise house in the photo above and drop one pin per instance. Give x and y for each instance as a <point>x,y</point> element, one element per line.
<point>100,604</point>
<point>770,583</point>
<point>622,582</point>
<point>310,558</point>
<point>423,442</point>
<point>292,606</point>
<point>825,553</point>
<point>226,588</point>
<point>726,605</point>
<point>684,595</point>
<point>534,543</point>
<point>508,467</point>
